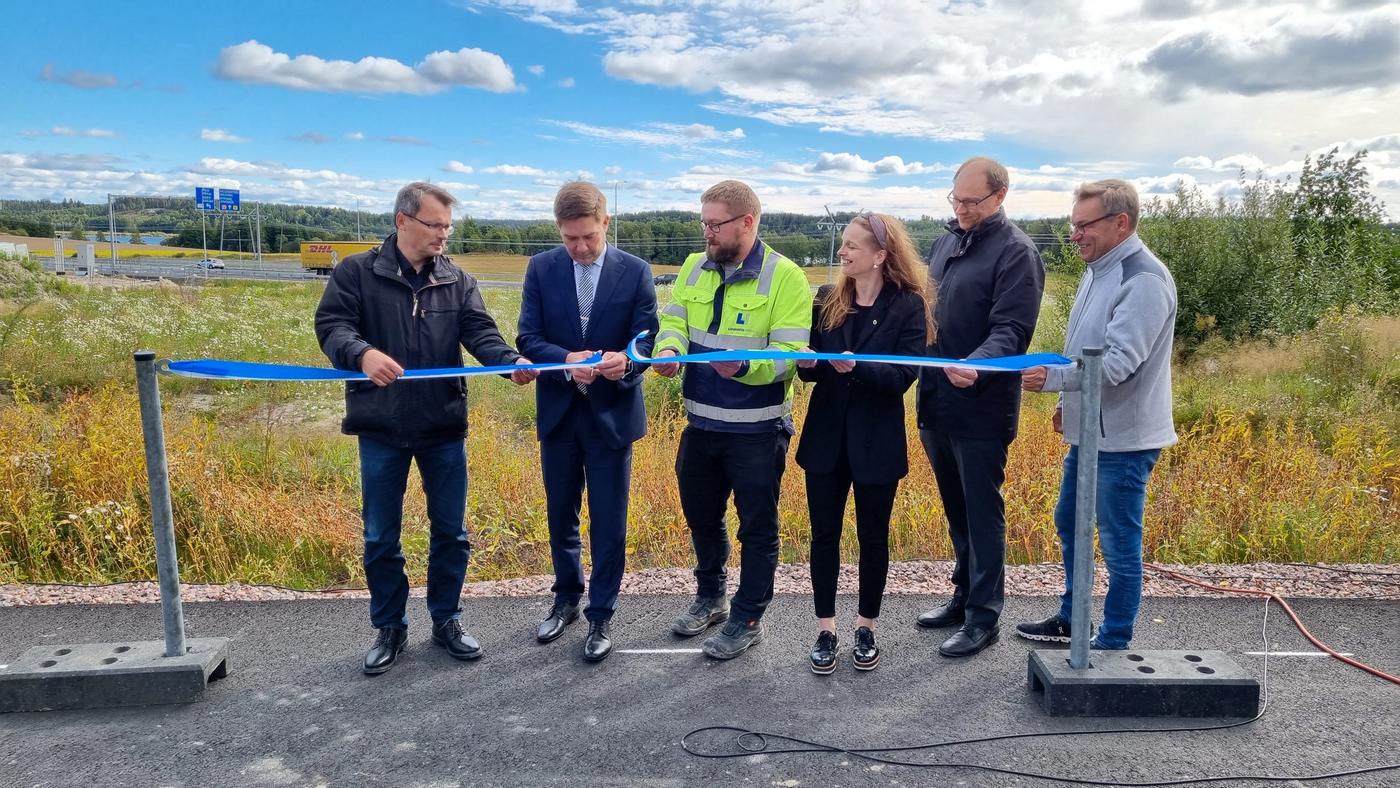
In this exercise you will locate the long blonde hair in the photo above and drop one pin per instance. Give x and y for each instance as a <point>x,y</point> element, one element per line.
<point>902,268</point>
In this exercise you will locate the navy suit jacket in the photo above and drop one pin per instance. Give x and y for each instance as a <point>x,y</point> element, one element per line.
<point>624,305</point>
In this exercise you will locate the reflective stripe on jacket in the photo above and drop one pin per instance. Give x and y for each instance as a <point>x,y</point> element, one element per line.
<point>765,305</point>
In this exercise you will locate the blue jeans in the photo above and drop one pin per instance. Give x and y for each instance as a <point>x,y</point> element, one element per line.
<point>384,479</point>
<point>1122,495</point>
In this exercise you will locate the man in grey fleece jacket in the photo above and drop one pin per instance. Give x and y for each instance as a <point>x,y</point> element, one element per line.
<point>1126,304</point>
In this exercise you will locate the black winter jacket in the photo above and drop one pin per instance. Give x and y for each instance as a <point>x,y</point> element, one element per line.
<point>367,304</point>
<point>990,281</point>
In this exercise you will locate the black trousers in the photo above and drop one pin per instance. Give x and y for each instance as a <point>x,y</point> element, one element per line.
<point>709,467</point>
<point>970,474</point>
<point>826,505</point>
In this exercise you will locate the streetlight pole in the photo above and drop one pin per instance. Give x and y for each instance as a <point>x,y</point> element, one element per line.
<point>615,211</point>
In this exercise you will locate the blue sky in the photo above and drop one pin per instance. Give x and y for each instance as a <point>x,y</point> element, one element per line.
<point>847,104</point>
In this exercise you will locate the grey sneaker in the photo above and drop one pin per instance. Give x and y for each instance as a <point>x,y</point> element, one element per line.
<point>704,612</point>
<point>733,640</point>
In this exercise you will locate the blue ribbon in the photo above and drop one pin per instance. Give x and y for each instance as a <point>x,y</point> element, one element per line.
<point>999,364</point>
<point>216,369</point>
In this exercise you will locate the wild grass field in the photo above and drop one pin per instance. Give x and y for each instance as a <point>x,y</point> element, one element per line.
<point>1289,451</point>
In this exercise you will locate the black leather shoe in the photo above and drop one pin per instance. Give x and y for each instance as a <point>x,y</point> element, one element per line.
<point>948,614</point>
<point>824,653</point>
<point>597,646</point>
<point>459,644</point>
<point>865,655</point>
<point>560,616</point>
<point>968,641</point>
<point>388,644</point>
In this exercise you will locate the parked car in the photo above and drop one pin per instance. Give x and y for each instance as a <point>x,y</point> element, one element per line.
<point>211,262</point>
<point>664,279</point>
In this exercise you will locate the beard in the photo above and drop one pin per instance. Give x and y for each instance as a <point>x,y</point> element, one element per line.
<point>723,254</point>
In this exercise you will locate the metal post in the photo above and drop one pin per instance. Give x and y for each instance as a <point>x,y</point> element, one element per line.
<point>257,232</point>
<point>1086,494</point>
<point>162,521</point>
<point>112,234</point>
<point>615,212</point>
<point>831,253</point>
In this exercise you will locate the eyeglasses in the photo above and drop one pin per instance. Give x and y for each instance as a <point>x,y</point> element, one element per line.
<point>714,226</point>
<point>968,204</point>
<point>437,228</point>
<point>1076,229</point>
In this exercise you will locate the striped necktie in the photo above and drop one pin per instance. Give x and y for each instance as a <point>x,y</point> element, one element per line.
<point>585,303</point>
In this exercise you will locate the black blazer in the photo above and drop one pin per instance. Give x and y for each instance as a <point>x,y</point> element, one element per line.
<point>866,404</point>
<point>624,305</point>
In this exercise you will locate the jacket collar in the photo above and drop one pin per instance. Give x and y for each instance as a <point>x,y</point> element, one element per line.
<point>386,264</point>
<point>984,228</point>
<point>751,264</point>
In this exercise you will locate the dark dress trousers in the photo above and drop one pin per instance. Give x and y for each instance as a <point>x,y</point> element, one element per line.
<point>990,280</point>
<point>587,437</point>
<point>854,436</point>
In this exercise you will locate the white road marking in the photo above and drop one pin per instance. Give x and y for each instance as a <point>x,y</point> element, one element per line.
<point>658,651</point>
<point>1295,654</point>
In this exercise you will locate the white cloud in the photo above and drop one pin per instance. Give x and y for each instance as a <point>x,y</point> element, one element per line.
<point>219,135</point>
<point>536,69</point>
<point>457,166</point>
<point>65,131</point>
<point>566,82</point>
<point>355,136</point>
<point>1080,78</point>
<point>516,169</point>
<point>255,63</point>
<point>85,80</point>
<point>667,135</point>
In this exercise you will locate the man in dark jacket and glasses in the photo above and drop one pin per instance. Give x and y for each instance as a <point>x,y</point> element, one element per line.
<point>404,305</point>
<point>990,280</point>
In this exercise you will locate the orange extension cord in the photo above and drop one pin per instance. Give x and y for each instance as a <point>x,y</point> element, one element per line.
<point>1291,615</point>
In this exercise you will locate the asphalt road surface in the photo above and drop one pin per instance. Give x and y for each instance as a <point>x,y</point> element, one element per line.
<point>295,710</point>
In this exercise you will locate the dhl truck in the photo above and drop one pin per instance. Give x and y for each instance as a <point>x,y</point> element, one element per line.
<point>322,256</point>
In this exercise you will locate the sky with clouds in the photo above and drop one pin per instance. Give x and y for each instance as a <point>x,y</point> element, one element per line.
<point>814,102</point>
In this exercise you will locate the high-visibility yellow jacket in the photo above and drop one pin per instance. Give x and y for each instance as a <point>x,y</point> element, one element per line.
<point>765,305</point>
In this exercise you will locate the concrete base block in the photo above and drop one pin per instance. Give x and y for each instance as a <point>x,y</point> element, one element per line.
<point>1143,684</point>
<point>97,675</point>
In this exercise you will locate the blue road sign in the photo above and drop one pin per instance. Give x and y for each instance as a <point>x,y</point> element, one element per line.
<point>228,200</point>
<point>204,198</point>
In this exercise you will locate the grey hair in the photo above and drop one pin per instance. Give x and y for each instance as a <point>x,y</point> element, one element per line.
<point>410,198</point>
<point>1118,196</point>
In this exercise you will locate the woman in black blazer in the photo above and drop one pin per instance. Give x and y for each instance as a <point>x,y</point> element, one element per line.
<point>854,431</point>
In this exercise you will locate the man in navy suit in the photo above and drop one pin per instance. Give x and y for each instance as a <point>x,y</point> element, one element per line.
<point>582,298</point>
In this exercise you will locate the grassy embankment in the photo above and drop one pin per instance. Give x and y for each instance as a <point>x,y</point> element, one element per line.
<point>1288,452</point>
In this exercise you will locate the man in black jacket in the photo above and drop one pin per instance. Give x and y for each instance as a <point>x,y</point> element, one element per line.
<point>404,306</point>
<point>990,281</point>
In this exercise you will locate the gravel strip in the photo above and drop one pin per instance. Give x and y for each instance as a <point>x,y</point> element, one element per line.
<point>1334,581</point>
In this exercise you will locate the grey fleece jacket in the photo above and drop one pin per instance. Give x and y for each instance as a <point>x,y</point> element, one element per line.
<point>1126,304</point>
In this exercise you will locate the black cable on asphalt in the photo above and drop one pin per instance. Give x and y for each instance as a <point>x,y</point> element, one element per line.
<point>867,753</point>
